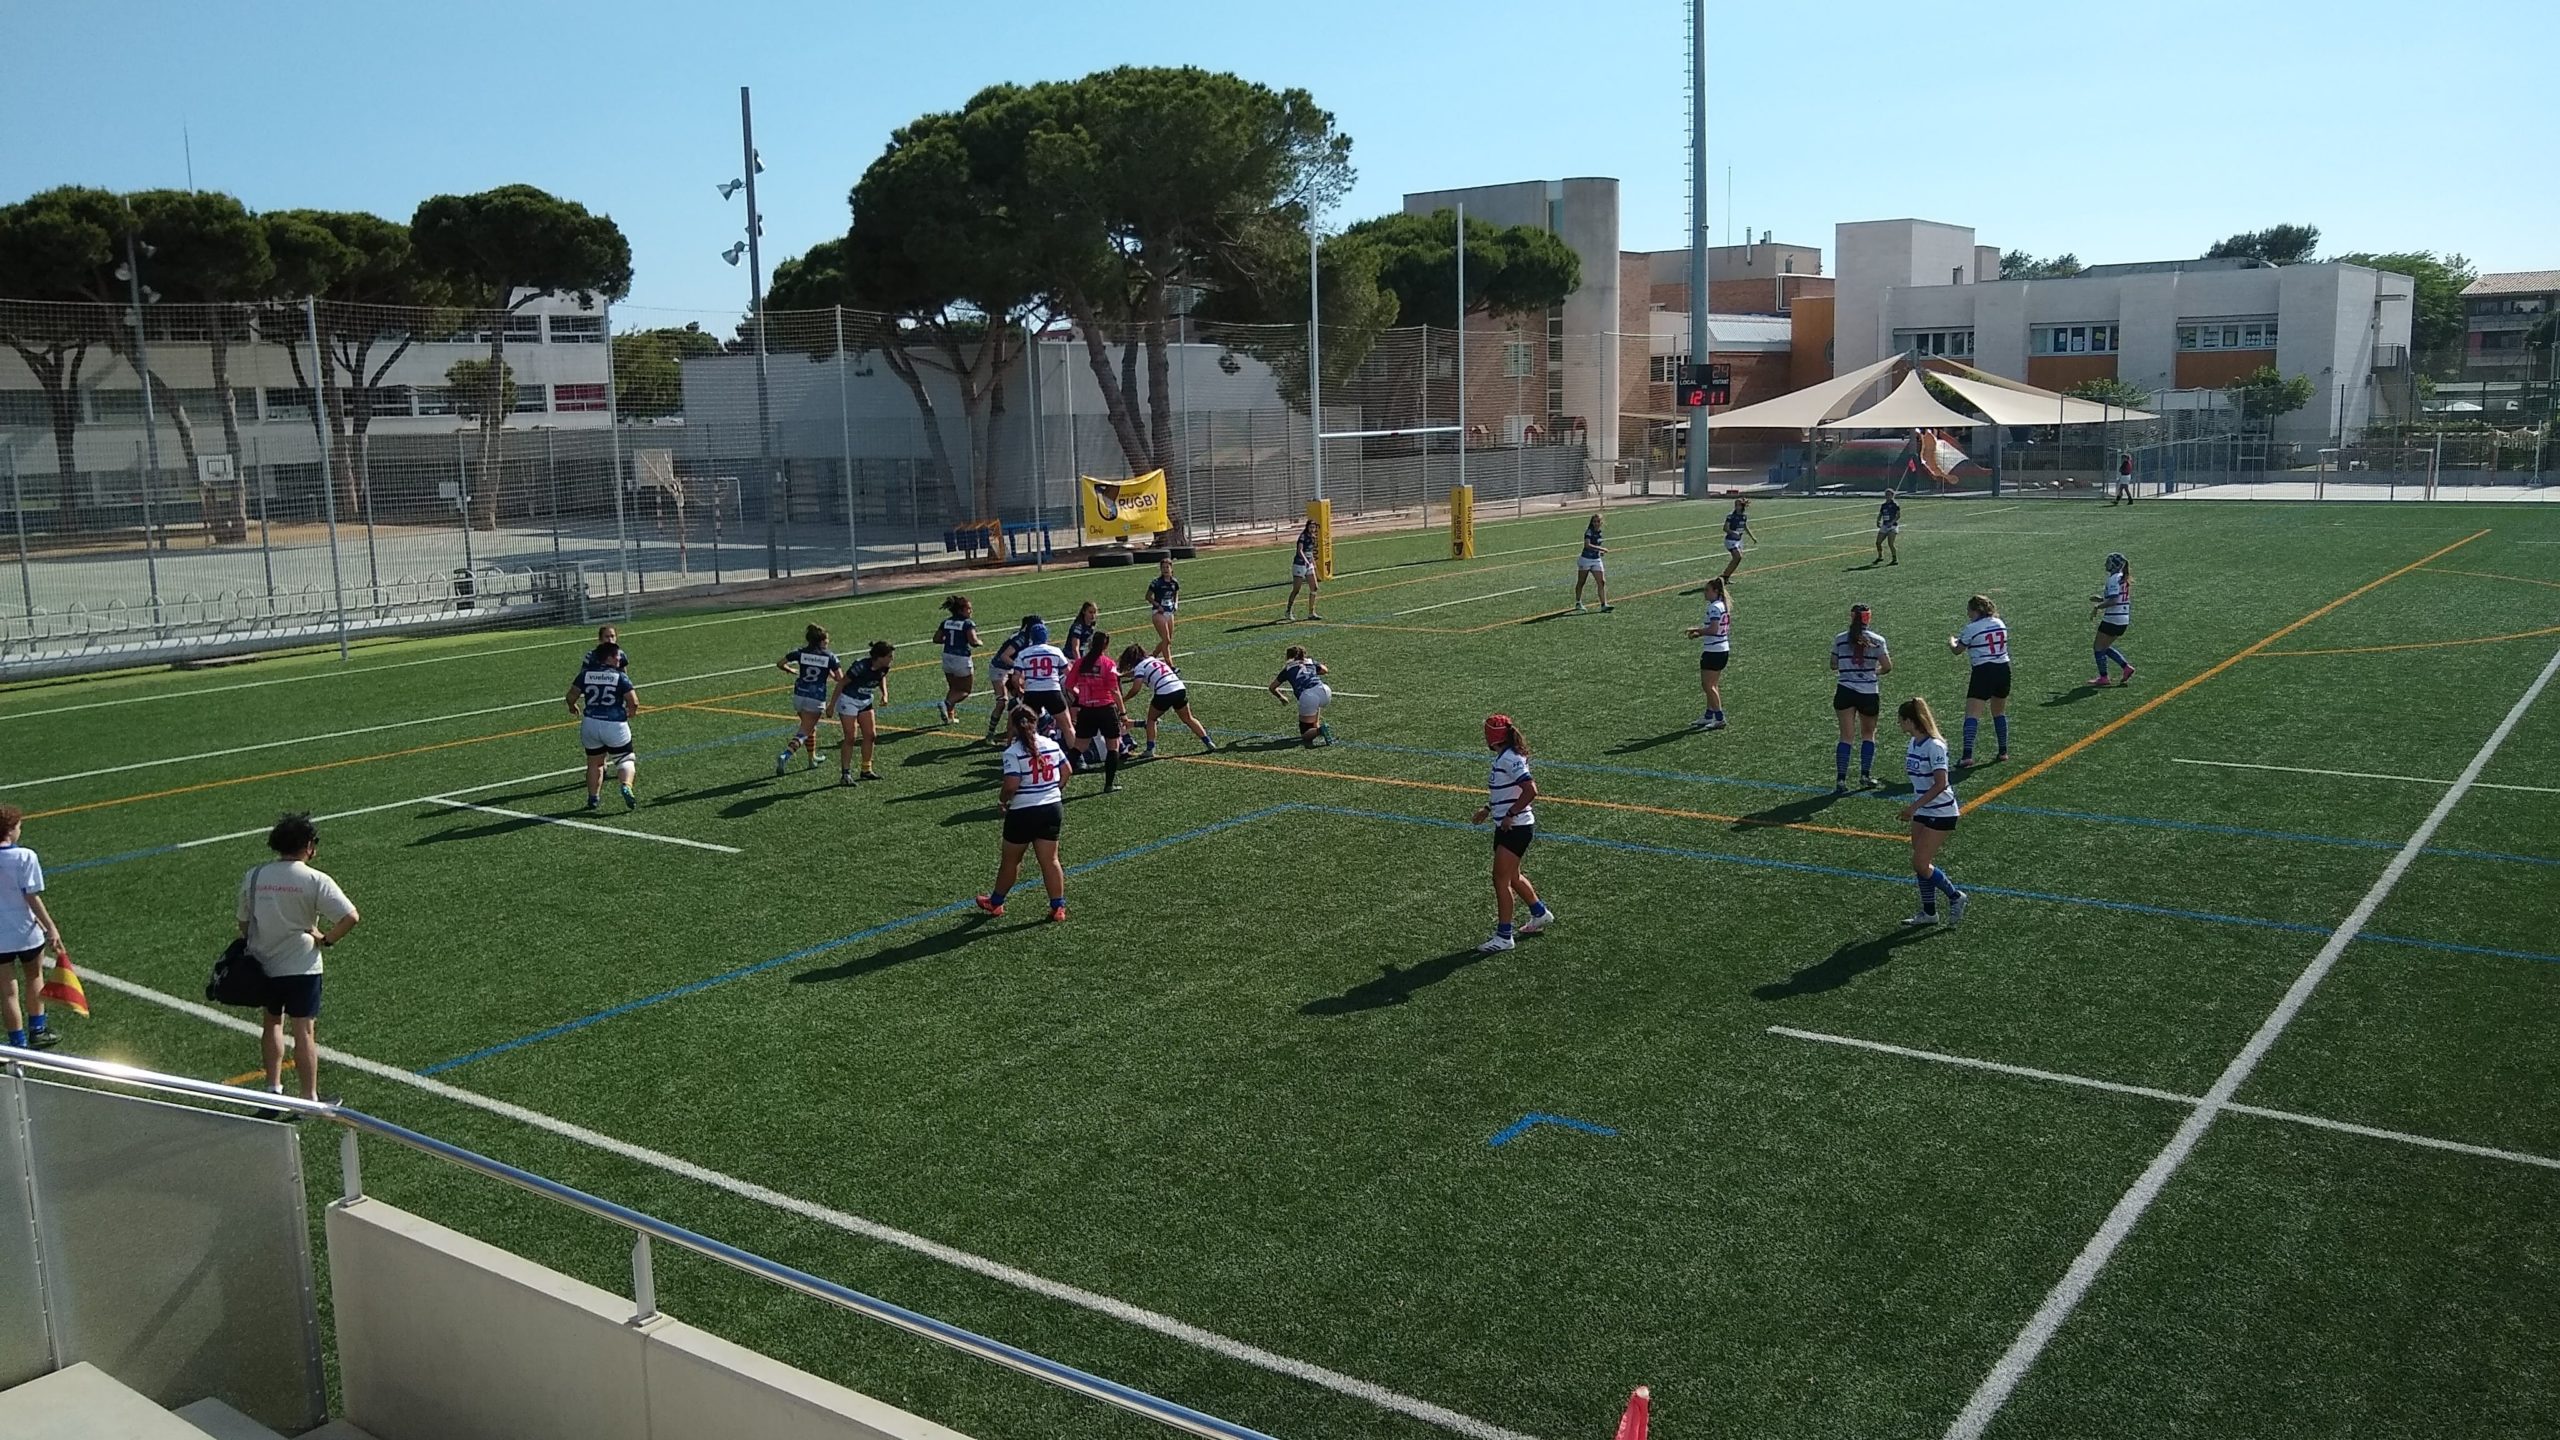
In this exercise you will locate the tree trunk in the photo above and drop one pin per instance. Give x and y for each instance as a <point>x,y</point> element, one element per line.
<point>176,414</point>
<point>1160,403</point>
<point>1117,402</point>
<point>231,525</point>
<point>56,369</point>
<point>493,415</point>
<point>937,446</point>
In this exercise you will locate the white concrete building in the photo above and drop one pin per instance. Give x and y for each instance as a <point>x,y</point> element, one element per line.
<point>1928,288</point>
<point>1585,342</point>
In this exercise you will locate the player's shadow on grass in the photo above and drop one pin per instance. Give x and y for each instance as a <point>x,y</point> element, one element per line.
<point>754,804</point>
<point>968,930</point>
<point>1250,626</point>
<point>1394,985</point>
<point>974,786</point>
<point>1791,812</point>
<point>948,752</point>
<point>1845,964</point>
<point>488,831</point>
<point>2072,696</point>
<point>717,792</point>
<point>1668,737</point>
<point>1265,744</point>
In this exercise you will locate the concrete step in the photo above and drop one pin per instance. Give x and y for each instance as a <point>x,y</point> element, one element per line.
<point>222,1422</point>
<point>83,1402</point>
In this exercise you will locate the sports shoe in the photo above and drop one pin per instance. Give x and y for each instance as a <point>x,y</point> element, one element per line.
<point>868,775</point>
<point>43,1039</point>
<point>2003,755</point>
<point>1286,616</point>
<point>594,801</point>
<point>1840,787</point>
<point>1313,615</point>
<point>1964,762</point>
<point>1869,782</point>
<point>844,777</point>
<point>814,757</point>
<point>988,903</point>
<point>1716,724</point>
<point>1325,733</point>
<point>1497,945</point>
<point>1150,752</point>
<point>2098,682</point>
<point>1207,746</point>
<point>1577,607</point>
<point>781,764</point>
<point>1536,923</point>
<point>1605,608</point>
<point>1955,909</point>
<point>2127,677</point>
<point>1057,914</point>
<point>1703,722</point>
<point>1896,560</point>
<point>1924,917</point>
<point>629,800</point>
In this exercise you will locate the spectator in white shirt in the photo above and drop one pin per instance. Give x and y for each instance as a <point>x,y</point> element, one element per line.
<point>289,913</point>
<point>26,927</point>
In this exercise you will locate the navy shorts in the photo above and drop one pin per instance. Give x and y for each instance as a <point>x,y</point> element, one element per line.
<point>1036,822</point>
<point>294,995</point>
<point>1713,659</point>
<point>1990,682</point>
<point>1936,822</point>
<point>1169,700</point>
<point>1515,838</point>
<point>2112,631</point>
<point>1866,702</point>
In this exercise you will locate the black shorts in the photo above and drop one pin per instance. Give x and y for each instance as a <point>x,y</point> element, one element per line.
<point>1098,720</point>
<point>1713,659</point>
<point>22,957</point>
<point>1935,822</point>
<point>1866,702</point>
<point>1035,822</point>
<point>1047,702</point>
<point>622,749</point>
<point>2111,631</point>
<point>294,995</point>
<point>1169,700</point>
<point>1990,682</point>
<point>1515,838</point>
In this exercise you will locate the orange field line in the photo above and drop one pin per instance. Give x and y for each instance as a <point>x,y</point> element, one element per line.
<point>1542,799</point>
<point>2414,644</point>
<point>2191,682</point>
<point>291,771</point>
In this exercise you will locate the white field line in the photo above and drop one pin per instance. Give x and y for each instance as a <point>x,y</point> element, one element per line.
<point>2365,775</point>
<point>2073,1287</point>
<point>851,1224</point>
<point>344,734</point>
<point>587,825</point>
<point>2290,1117</point>
<point>1247,685</point>
<point>1470,600</point>
<point>388,805</point>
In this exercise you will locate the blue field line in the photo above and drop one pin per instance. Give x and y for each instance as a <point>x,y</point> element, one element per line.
<point>1997,807</point>
<point>669,754</point>
<point>956,907</point>
<point>1842,872</point>
<point>1529,1122</point>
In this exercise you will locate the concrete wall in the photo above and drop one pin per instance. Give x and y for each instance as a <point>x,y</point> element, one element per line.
<point>441,1337</point>
<point>1875,257</point>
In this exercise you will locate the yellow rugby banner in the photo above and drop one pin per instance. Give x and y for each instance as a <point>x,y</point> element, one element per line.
<point>1135,506</point>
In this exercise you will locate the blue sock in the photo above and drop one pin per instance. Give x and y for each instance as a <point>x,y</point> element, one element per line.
<point>1928,897</point>
<point>997,895</point>
<point>1057,902</point>
<point>18,1038</point>
<point>1972,727</point>
<point>1842,757</point>
<point>2101,654</point>
<point>1866,757</point>
<point>1538,908</point>
<point>36,1025</point>
<point>1503,929</point>
<point>2000,728</point>
<point>2118,656</point>
<point>1939,878</point>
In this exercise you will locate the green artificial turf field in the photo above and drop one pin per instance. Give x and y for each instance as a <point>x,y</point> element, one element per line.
<point>1246,1131</point>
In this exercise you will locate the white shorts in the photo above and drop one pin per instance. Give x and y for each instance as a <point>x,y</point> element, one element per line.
<point>1302,572</point>
<point>849,706</point>
<point>1892,529</point>
<point>596,737</point>
<point>960,667</point>
<point>1314,699</point>
<point>1590,567</point>
<point>1735,546</point>
<point>807,706</point>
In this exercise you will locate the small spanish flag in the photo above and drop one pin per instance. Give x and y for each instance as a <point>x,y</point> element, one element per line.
<point>62,983</point>
<point>1639,1417</point>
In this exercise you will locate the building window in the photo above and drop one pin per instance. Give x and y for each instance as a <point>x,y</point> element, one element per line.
<point>1668,369</point>
<point>391,400</point>
<point>2072,340</point>
<point>435,399</point>
<point>2259,334</point>
<point>288,404</point>
<point>577,329</point>
<point>577,399</point>
<point>1519,361</point>
<point>531,400</point>
<point>1955,343</point>
<point>2502,339</point>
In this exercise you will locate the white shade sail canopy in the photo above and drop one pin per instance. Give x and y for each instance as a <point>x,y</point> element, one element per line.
<point>1909,407</point>
<point>2009,403</point>
<point>1806,408</point>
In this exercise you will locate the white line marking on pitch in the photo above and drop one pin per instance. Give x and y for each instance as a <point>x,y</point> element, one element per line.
<point>388,805</point>
<point>1246,685</point>
<point>2290,1117</point>
<point>996,1270</point>
<point>1470,600</point>
<point>2073,1287</point>
<point>586,825</point>
<point>343,734</point>
<point>2364,775</point>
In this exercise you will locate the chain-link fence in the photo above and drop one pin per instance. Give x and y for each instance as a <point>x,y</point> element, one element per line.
<point>302,472</point>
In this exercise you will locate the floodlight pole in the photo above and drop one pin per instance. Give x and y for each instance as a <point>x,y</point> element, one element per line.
<point>755,306</point>
<point>150,417</point>
<point>1695,481</point>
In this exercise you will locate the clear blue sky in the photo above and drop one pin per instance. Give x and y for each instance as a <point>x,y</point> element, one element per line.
<point>2114,130</point>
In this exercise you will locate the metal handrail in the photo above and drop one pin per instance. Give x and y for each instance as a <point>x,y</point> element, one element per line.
<point>647,1228</point>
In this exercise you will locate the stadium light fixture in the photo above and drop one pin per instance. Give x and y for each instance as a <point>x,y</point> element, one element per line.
<point>735,253</point>
<point>731,187</point>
